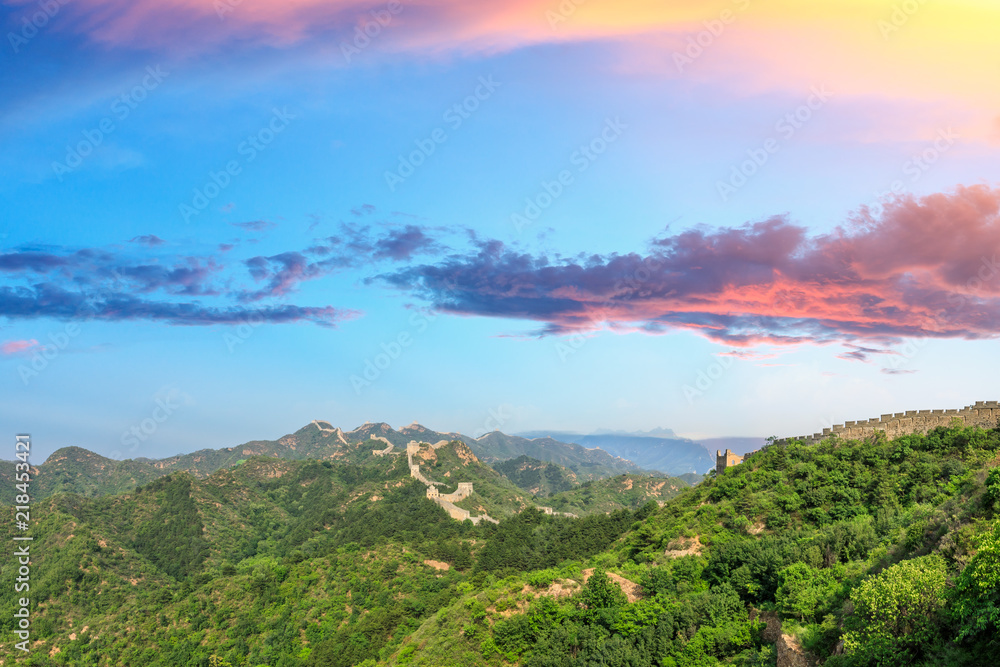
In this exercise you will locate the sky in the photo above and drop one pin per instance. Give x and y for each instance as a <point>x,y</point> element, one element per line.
<point>222,219</point>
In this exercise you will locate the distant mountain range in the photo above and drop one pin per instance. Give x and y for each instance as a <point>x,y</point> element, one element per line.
<point>587,457</point>
<point>737,444</point>
<point>77,470</point>
<point>667,454</point>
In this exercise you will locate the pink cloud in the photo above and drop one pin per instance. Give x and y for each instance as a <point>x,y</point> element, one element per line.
<point>15,347</point>
<point>924,268</point>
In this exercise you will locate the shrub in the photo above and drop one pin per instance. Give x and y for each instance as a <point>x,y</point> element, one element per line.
<point>896,612</point>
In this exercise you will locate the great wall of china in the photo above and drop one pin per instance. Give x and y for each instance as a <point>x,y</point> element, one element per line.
<point>983,413</point>
<point>445,500</point>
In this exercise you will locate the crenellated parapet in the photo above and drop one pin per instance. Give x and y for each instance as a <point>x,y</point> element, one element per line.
<point>983,413</point>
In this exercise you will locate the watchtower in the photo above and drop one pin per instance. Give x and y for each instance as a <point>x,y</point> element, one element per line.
<point>723,461</point>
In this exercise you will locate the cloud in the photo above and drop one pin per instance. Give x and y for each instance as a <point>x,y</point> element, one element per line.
<point>114,285</point>
<point>353,247</point>
<point>924,268</point>
<point>54,302</point>
<point>748,355</point>
<point>14,347</point>
<point>859,353</point>
<point>150,240</point>
<point>283,272</point>
<point>255,225</point>
<point>402,244</point>
<point>364,209</point>
<point>28,260</point>
<point>897,371</point>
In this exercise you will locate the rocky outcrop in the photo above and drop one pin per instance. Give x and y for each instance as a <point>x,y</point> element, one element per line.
<point>791,654</point>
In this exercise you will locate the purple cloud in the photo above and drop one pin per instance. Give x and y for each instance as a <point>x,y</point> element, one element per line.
<point>402,244</point>
<point>149,240</point>
<point>926,267</point>
<point>255,225</point>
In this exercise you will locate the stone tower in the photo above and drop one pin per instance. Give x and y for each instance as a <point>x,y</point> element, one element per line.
<point>723,461</point>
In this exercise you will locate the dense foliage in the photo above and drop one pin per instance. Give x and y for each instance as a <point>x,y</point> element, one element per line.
<point>866,553</point>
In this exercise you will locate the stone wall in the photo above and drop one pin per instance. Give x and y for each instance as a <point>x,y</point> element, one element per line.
<point>983,413</point>
<point>445,500</point>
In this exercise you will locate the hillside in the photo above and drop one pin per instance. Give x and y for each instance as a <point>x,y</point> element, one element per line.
<point>669,455</point>
<point>539,478</point>
<point>858,553</point>
<point>615,493</point>
<point>556,488</point>
<point>585,463</point>
<point>447,464</point>
<point>874,553</point>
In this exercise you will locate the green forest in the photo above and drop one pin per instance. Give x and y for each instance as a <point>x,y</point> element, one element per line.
<point>842,553</point>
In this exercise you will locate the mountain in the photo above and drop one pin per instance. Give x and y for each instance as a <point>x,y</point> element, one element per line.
<point>539,478</point>
<point>560,491</point>
<point>841,553</point>
<point>615,493</point>
<point>797,552</point>
<point>658,432</point>
<point>76,470</point>
<point>673,456</point>
<point>586,463</point>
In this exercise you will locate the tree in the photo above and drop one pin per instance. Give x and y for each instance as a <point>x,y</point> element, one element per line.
<point>977,591</point>
<point>602,593</point>
<point>896,612</point>
<point>805,592</point>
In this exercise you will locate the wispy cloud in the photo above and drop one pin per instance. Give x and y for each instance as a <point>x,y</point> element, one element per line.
<point>16,347</point>
<point>150,240</point>
<point>255,225</point>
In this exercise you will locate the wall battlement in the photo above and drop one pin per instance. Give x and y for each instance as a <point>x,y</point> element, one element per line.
<point>982,413</point>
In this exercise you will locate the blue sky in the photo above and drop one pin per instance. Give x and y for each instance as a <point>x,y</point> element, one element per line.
<point>639,296</point>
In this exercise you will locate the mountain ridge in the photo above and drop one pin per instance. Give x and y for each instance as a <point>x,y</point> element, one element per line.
<point>78,470</point>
